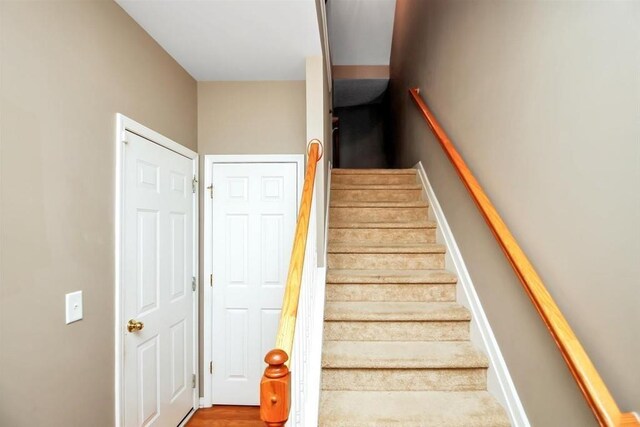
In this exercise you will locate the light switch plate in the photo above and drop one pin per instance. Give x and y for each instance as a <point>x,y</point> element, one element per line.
<point>73,307</point>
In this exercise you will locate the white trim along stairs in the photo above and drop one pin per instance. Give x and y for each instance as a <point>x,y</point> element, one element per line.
<point>397,341</point>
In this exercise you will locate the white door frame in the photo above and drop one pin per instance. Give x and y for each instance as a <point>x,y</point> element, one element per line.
<point>123,124</point>
<point>207,327</point>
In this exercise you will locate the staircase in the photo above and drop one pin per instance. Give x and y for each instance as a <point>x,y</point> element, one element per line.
<point>396,344</point>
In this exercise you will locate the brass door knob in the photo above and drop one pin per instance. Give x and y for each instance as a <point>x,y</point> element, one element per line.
<point>134,325</point>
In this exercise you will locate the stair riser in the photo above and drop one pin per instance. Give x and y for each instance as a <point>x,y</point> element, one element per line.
<point>396,331</point>
<point>376,179</point>
<point>378,214</point>
<point>376,195</point>
<point>382,235</point>
<point>386,261</point>
<point>404,379</point>
<point>391,293</point>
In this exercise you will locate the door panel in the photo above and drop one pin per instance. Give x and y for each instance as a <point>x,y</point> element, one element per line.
<point>254,214</point>
<point>148,263</point>
<point>157,271</point>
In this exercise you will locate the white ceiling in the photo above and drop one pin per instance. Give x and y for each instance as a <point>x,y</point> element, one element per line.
<point>233,39</point>
<point>360,31</point>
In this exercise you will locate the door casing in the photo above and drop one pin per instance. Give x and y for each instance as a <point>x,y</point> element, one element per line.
<point>123,124</point>
<point>207,294</point>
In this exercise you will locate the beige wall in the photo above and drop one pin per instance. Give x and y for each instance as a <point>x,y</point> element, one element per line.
<point>261,117</point>
<point>66,69</point>
<point>316,129</point>
<point>541,99</point>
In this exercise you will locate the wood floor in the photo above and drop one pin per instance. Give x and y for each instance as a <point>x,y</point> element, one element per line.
<point>228,416</point>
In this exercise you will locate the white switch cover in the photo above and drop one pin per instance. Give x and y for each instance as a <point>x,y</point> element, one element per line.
<point>73,306</point>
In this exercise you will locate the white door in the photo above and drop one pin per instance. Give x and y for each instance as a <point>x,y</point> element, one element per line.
<point>254,217</point>
<point>157,272</point>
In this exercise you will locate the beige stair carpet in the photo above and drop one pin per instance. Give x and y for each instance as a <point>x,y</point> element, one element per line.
<point>396,344</point>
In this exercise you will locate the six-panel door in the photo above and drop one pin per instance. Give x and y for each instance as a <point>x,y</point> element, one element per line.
<point>157,284</point>
<point>254,216</point>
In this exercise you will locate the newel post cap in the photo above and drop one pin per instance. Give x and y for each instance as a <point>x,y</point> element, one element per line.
<point>276,360</point>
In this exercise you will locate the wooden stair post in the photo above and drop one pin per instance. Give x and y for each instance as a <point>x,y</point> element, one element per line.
<point>275,390</point>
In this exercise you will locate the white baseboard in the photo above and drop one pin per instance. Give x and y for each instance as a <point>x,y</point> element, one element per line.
<point>313,402</point>
<point>314,380</point>
<point>327,201</point>
<point>499,382</point>
<point>202,403</point>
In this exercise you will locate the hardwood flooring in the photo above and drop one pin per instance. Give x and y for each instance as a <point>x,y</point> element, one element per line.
<point>227,416</point>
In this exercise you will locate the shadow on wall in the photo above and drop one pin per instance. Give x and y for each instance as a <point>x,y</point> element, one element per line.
<point>363,135</point>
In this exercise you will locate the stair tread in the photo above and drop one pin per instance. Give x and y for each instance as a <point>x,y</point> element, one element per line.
<point>374,225</point>
<point>373,171</point>
<point>356,204</point>
<point>391,276</point>
<point>376,187</point>
<point>410,409</point>
<point>402,355</point>
<point>385,248</point>
<point>395,311</point>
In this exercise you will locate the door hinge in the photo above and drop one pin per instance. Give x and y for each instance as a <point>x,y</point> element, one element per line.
<point>211,280</point>
<point>210,188</point>
<point>193,381</point>
<point>211,367</point>
<point>194,183</point>
<point>193,284</point>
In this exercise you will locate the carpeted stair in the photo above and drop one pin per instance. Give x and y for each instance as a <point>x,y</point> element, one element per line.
<point>396,344</point>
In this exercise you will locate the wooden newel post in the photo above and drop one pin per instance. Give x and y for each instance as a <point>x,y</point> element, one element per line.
<point>275,389</point>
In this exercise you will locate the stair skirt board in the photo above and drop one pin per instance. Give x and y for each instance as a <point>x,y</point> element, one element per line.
<point>403,344</point>
<point>499,382</point>
<point>309,391</point>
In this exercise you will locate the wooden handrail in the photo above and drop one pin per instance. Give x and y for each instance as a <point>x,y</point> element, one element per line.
<point>591,384</point>
<point>275,387</point>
